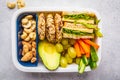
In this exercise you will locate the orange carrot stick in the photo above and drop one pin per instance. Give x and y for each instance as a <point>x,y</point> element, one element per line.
<point>88,54</point>
<point>77,49</point>
<point>81,49</point>
<point>85,47</point>
<point>91,43</point>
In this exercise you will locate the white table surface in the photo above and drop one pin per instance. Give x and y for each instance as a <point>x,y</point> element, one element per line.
<point>109,66</point>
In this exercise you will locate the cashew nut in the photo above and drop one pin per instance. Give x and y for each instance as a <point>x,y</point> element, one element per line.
<point>25,48</point>
<point>34,44</point>
<point>33,22</point>
<point>27,38</point>
<point>31,29</point>
<point>11,5</point>
<point>27,57</point>
<point>23,42</point>
<point>30,42</point>
<point>23,53</point>
<point>28,25</point>
<point>24,21</point>
<point>19,1</point>
<point>20,4</point>
<point>33,59</point>
<point>32,35</point>
<point>34,52</point>
<point>24,35</point>
<point>27,43</point>
<point>29,17</point>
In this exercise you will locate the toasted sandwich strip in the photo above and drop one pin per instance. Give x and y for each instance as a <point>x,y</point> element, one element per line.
<point>66,30</point>
<point>58,27</point>
<point>81,30</point>
<point>76,31</point>
<point>79,27</point>
<point>41,26</point>
<point>81,16</point>
<point>50,28</point>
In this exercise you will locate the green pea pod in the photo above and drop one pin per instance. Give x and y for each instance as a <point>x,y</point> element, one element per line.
<point>98,33</point>
<point>89,60</point>
<point>85,60</point>
<point>93,54</point>
<point>81,67</point>
<point>93,65</point>
<point>90,26</point>
<point>97,21</point>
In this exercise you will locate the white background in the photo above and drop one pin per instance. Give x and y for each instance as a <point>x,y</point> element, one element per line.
<point>109,66</point>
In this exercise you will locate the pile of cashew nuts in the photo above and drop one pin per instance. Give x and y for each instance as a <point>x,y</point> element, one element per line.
<point>28,37</point>
<point>19,3</point>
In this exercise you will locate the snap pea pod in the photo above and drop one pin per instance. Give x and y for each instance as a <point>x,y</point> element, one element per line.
<point>93,65</point>
<point>81,66</point>
<point>90,26</point>
<point>85,60</point>
<point>98,33</point>
<point>89,60</point>
<point>93,54</point>
<point>97,21</point>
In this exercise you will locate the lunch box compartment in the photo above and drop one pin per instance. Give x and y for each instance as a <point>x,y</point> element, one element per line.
<point>19,30</point>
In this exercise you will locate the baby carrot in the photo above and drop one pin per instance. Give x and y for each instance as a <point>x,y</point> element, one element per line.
<point>85,47</point>
<point>91,43</point>
<point>88,54</point>
<point>81,49</point>
<point>77,49</point>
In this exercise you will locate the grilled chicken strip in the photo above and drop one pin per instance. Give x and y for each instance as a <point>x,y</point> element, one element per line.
<point>58,27</point>
<point>41,26</point>
<point>50,28</point>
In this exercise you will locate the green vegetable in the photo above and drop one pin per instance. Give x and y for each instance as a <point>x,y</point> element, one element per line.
<point>78,16</point>
<point>59,47</point>
<point>75,22</point>
<point>81,66</point>
<point>93,53</point>
<point>49,55</point>
<point>76,32</point>
<point>93,65</point>
<point>98,33</point>
<point>90,26</point>
<point>89,60</point>
<point>97,21</point>
<point>85,59</point>
<point>93,59</point>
